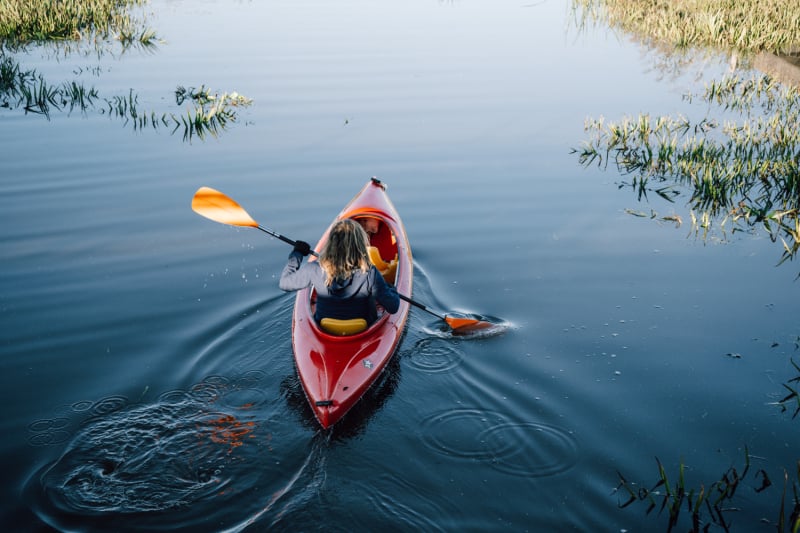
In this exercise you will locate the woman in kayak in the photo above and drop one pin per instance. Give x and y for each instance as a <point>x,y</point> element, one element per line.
<point>347,284</point>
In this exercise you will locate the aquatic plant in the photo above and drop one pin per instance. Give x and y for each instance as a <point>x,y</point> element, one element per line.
<point>745,172</point>
<point>794,394</point>
<point>744,25</point>
<point>93,23</point>
<point>29,90</point>
<point>707,505</point>
<point>208,113</point>
<point>713,503</point>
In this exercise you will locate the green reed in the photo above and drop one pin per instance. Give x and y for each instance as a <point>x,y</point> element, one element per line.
<point>206,113</point>
<point>23,21</point>
<point>30,91</point>
<point>703,506</point>
<point>745,25</point>
<point>745,172</point>
<point>794,394</point>
<point>210,113</point>
<point>715,503</point>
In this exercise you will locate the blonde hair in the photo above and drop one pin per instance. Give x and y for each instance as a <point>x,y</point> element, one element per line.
<point>345,251</point>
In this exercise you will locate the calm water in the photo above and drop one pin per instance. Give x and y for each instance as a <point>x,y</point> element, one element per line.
<point>147,375</point>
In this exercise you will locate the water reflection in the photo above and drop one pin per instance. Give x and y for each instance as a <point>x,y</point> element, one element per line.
<point>208,113</point>
<point>434,355</point>
<point>737,173</point>
<point>736,167</point>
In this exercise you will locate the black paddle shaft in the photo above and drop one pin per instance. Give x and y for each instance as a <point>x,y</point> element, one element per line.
<point>287,240</point>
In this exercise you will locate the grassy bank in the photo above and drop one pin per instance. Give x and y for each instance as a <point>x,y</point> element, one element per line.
<point>742,25</point>
<point>23,21</point>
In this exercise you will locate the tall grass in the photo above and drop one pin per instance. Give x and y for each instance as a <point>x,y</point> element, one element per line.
<point>744,25</point>
<point>23,21</point>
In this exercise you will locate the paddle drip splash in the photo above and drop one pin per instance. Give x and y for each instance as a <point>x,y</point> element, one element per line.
<point>151,458</point>
<point>194,454</point>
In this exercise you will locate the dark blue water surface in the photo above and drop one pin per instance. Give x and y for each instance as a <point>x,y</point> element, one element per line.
<point>147,373</point>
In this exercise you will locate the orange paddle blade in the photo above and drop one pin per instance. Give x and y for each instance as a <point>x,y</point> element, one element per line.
<point>215,205</point>
<point>458,323</point>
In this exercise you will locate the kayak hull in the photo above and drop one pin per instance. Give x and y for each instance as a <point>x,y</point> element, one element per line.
<point>335,371</point>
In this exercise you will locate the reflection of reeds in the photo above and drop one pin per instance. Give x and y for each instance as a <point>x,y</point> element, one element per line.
<point>211,112</point>
<point>746,172</point>
<point>208,113</point>
<point>93,22</point>
<point>29,90</point>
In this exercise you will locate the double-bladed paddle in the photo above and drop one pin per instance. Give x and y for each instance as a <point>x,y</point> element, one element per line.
<point>219,207</point>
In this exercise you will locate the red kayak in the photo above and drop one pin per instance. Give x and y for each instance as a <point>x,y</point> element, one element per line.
<point>337,365</point>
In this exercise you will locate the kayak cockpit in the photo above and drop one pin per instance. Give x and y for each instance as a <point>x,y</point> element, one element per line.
<point>383,244</point>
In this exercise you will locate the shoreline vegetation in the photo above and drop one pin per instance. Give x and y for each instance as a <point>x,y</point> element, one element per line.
<point>738,166</point>
<point>747,26</point>
<point>743,173</point>
<point>28,21</point>
<point>740,172</point>
<point>73,25</point>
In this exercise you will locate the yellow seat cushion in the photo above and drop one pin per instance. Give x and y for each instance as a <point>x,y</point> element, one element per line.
<point>335,326</point>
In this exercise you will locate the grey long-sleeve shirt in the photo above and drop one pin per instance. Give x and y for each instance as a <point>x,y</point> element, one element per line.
<point>343,299</point>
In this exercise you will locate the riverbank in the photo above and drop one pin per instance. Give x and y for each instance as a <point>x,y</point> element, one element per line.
<point>23,21</point>
<point>749,26</point>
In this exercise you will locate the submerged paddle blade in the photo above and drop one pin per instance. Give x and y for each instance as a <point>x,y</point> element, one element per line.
<point>464,326</point>
<point>457,322</point>
<point>218,207</point>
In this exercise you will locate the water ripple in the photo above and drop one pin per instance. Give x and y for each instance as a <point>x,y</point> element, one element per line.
<point>108,405</point>
<point>434,355</point>
<point>531,449</point>
<point>82,406</point>
<point>518,448</point>
<point>151,458</point>
<point>196,453</point>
